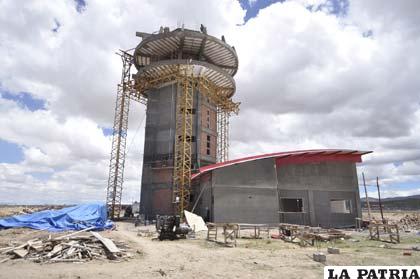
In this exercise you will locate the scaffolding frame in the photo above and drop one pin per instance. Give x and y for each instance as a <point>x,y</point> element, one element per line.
<point>183,143</point>
<point>119,138</point>
<point>187,83</point>
<point>222,135</point>
<point>136,90</point>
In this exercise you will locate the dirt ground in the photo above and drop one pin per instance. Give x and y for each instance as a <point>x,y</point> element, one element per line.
<point>198,258</point>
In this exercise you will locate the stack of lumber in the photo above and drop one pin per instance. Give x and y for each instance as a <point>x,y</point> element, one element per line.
<point>74,247</point>
<point>410,221</point>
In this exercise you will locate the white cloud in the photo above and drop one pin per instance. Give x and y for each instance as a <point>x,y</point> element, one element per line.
<point>316,81</point>
<point>306,80</point>
<point>75,70</point>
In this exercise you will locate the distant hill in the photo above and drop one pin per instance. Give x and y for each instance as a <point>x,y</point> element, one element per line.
<point>370,199</point>
<point>395,203</point>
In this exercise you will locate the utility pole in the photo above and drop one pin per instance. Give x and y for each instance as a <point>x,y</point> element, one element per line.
<point>379,196</point>
<point>367,197</point>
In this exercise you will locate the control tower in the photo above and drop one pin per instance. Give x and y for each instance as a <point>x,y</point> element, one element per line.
<point>185,78</point>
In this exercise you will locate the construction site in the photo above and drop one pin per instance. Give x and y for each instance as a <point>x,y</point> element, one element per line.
<point>202,214</point>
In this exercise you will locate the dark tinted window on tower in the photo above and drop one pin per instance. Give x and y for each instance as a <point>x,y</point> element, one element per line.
<point>208,145</point>
<point>208,119</point>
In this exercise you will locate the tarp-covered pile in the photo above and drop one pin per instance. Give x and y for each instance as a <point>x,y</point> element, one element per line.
<point>70,218</point>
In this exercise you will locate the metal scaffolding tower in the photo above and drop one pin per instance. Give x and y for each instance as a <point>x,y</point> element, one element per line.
<point>183,146</point>
<point>119,137</point>
<point>222,135</point>
<point>198,64</point>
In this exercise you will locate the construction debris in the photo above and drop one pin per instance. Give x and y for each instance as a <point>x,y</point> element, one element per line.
<point>333,250</point>
<point>73,247</point>
<point>308,235</point>
<point>319,257</point>
<point>410,222</point>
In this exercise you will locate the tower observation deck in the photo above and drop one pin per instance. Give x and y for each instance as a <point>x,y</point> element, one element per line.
<point>185,79</point>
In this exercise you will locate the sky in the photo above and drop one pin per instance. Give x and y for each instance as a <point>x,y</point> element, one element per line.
<point>312,74</point>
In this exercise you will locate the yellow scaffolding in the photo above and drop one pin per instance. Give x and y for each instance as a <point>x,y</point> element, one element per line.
<point>183,143</point>
<point>119,138</point>
<point>188,84</point>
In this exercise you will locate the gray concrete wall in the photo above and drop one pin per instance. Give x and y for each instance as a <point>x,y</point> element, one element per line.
<point>251,193</point>
<point>160,123</point>
<point>318,184</point>
<point>159,145</point>
<point>202,195</point>
<point>245,193</point>
<point>158,151</point>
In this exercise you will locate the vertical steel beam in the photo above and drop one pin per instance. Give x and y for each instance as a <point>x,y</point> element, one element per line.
<point>119,137</point>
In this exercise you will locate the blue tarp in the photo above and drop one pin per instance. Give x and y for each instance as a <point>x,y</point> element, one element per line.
<point>69,218</point>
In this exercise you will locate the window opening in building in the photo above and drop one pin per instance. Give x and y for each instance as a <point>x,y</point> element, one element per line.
<point>208,145</point>
<point>340,206</point>
<point>291,204</point>
<point>208,119</point>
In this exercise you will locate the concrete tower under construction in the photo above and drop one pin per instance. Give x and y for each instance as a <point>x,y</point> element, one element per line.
<point>185,78</point>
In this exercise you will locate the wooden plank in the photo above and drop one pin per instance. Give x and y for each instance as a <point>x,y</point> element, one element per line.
<point>66,260</point>
<point>74,233</point>
<point>18,247</point>
<point>72,248</point>
<point>108,243</point>
<point>21,253</point>
<point>55,250</point>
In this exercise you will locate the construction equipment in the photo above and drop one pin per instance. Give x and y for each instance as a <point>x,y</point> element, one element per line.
<point>128,212</point>
<point>170,227</point>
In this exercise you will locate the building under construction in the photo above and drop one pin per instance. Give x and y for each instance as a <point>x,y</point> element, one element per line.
<point>307,187</point>
<point>187,112</point>
<point>185,79</point>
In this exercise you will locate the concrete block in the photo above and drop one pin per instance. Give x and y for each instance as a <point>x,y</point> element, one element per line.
<point>319,257</point>
<point>332,250</point>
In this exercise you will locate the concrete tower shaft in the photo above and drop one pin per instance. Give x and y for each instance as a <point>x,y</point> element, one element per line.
<point>187,78</point>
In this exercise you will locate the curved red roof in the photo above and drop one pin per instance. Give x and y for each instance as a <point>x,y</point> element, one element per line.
<point>289,157</point>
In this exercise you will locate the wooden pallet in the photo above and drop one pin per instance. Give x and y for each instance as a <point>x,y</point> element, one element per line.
<point>391,232</point>
<point>230,232</point>
<point>260,230</point>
